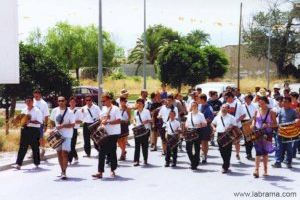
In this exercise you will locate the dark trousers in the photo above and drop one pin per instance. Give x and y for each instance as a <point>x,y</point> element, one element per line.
<point>172,152</point>
<point>225,154</point>
<point>108,148</point>
<point>87,138</point>
<point>73,152</point>
<point>29,136</point>
<point>144,143</point>
<point>194,158</point>
<point>249,147</point>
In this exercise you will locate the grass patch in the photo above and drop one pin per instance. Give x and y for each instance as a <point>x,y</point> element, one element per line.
<point>11,141</point>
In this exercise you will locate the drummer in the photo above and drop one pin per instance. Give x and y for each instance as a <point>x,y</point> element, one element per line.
<point>172,127</point>
<point>285,115</point>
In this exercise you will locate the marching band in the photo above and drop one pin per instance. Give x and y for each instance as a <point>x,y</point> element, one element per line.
<point>231,117</point>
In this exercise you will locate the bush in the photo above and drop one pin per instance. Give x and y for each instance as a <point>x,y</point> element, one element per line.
<point>117,75</point>
<point>89,73</point>
<point>137,78</point>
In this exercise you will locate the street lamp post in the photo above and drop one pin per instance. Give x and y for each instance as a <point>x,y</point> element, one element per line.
<point>145,47</point>
<point>100,56</point>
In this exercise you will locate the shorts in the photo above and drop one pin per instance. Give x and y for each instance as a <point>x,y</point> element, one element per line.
<point>65,146</point>
<point>205,133</point>
<point>42,131</point>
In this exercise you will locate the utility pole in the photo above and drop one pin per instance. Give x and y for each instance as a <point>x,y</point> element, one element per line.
<point>100,57</point>
<point>239,49</point>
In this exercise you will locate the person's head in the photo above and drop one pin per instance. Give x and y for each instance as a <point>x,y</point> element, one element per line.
<point>214,95</point>
<point>194,107</point>
<point>294,96</point>
<point>276,89</point>
<point>199,90</point>
<point>228,89</point>
<point>286,92</point>
<point>140,103</point>
<point>202,98</point>
<point>279,101</point>
<point>263,101</point>
<point>123,101</point>
<point>163,87</point>
<point>106,99</point>
<point>157,96</point>
<point>286,103</point>
<point>257,89</point>
<point>62,103</point>
<point>124,93</point>
<point>152,96</point>
<point>248,98</point>
<point>170,99</point>
<point>229,97</point>
<point>37,94</point>
<point>178,96</point>
<point>29,101</point>
<point>172,115</point>
<point>72,102</point>
<point>224,109</point>
<point>144,94</point>
<point>88,100</point>
<point>286,85</point>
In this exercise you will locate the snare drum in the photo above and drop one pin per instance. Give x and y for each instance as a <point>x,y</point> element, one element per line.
<point>140,131</point>
<point>289,132</point>
<point>99,136</point>
<point>224,139</point>
<point>173,141</point>
<point>247,131</point>
<point>191,134</point>
<point>55,139</point>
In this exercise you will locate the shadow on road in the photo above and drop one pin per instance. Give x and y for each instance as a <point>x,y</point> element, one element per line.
<point>117,178</point>
<point>36,170</point>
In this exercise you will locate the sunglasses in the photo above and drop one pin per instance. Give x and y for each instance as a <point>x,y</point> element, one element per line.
<point>88,100</point>
<point>61,101</point>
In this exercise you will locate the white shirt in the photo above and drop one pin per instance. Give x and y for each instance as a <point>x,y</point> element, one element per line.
<point>238,113</point>
<point>114,114</point>
<point>164,113</point>
<point>35,114</point>
<point>78,116</point>
<point>145,115</point>
<point>124,115</point>
<point>43,106</point>
<point>95,111</point>
<point>228,119</point>
<point>175,126</point>
<point>251,108</point>
<point>197,119</point>
<point>69,118</point>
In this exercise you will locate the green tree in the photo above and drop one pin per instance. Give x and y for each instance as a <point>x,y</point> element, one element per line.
<point>285,41</point>
<point>37,70</point>
<point>180,63</point>
<point>217,61</point>
<point>77,46</point>
<point>157,36</point>
<point>197,38</point>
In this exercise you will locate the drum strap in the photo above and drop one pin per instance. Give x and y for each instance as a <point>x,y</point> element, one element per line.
<point>62,118</point>
<point>171,127</point>
<point>248,111</point>
<point>192,120</point>
<point>123,112</point>
<point>91,114</point>
<point>222,121</point>
<point>266,116</point>
<point>75,110</point>
<point>235,108</point>
<point>140,117</point>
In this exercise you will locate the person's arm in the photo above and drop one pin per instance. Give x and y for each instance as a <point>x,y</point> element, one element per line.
<point>273,119</point>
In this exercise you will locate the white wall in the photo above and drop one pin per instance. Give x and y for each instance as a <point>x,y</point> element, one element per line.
<point>9,48</point>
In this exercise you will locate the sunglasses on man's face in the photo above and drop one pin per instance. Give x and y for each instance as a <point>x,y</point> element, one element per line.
<point>88,100</point>
<point>61,101</point>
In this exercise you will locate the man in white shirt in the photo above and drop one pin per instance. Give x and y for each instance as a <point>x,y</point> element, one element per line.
<point>63,120</point>
<point>43,106</point>
<point>91,114</point>
<point>110,120</point>
<point>249,110</point>
<point>30,134</point>
<point>237,111</point>
<point>78,120</point>
<point>164,113</point>
<point>221,123</point>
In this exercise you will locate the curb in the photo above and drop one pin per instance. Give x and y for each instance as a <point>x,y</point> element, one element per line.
<point>49,156</point>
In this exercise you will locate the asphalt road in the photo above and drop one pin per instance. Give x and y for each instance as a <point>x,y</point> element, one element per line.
<point>148,182</point>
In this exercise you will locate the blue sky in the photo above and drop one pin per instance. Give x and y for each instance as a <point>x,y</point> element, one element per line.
<point>124,18</point>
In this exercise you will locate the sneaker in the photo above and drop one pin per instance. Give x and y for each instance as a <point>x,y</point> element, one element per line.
<point>289,165</point>
<point>76,161</point>
<point>212,143</point>
<point>249,157</point>
<point>136,164</point>
<point>174,165</point>
<point>276,165</point>
<point>167,165</point>
<point>204,161</point>
<point>87,156</point>
<point>224,171</point>
<point>238,157</point>
<point>18,167</point>
<point>153,149</point>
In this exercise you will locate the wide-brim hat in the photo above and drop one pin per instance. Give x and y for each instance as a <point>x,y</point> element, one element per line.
<point>262,93</point>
